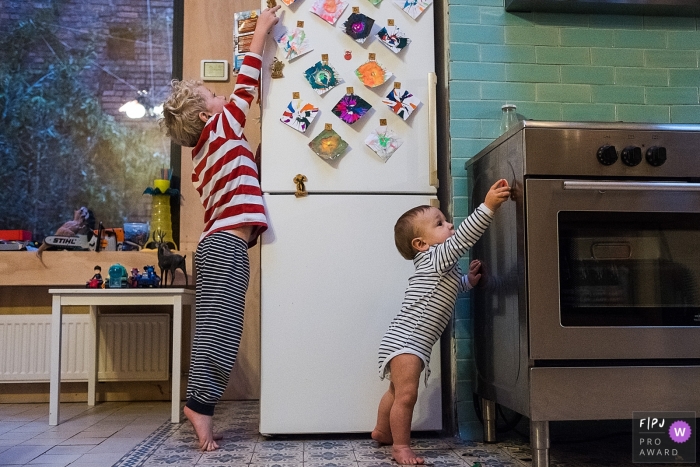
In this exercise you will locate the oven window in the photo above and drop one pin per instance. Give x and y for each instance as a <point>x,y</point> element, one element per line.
<point>629,269</point>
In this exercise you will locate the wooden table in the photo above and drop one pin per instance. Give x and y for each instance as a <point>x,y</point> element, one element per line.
<point>175,297</point>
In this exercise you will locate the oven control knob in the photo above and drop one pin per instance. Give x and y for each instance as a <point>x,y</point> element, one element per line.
<point>631,155</point>
<point>656,155</point>
<point>607,155</point>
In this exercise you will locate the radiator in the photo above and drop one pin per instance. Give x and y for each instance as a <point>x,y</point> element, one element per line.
<point>132,347</point>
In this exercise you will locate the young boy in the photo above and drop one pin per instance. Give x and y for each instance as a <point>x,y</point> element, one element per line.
<point>226,178</point>
<point>423,235</point>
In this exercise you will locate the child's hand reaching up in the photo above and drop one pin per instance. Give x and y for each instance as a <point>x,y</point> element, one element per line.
<point>474,273</point>
<point>497,195</point>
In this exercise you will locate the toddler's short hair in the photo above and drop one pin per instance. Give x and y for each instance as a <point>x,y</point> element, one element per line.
<point>406,230</point>
<point>181,109</point>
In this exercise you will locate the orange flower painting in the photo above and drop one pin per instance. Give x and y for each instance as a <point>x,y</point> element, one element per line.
<point>372,74</point>
<point>328,145</point>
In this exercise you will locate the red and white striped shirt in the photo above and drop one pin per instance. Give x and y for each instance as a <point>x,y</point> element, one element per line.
<point>224,170</point>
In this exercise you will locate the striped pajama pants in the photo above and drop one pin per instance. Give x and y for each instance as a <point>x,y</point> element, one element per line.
<point>223,272</point>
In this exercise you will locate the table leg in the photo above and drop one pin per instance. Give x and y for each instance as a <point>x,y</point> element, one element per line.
<point>55,384</point>
<point>177,359</point>
<point>92,358</point>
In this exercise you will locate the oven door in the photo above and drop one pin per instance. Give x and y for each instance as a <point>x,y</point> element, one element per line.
<point>613,269</point>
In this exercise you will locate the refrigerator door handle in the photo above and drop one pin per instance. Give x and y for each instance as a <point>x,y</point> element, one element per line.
<point>432,130</point>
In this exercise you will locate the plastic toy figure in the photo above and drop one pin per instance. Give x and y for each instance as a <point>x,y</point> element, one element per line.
<point>96,281</point>
<point>149,278</point>
<point>118,279</point>
<point>134,278</point>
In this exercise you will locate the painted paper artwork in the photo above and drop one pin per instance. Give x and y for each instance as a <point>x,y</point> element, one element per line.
<point>375,2</point>
<point>401,102</point>
<point>359,27</point>
<point>294,43</point>
<point>372,74</point>
<point>393,38</point>
<point>299,115</point>
<point>350,108</point>
<point>328,145</point>
<point>384,142</point>
<point>329,10</point>
<point>413,7</point>
<point>322,77</point>
<point>288,2</point>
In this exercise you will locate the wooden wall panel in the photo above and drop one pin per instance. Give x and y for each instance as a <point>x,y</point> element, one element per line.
<point>208,34</point>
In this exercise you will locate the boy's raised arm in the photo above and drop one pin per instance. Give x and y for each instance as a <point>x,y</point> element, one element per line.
<point>267,19</point>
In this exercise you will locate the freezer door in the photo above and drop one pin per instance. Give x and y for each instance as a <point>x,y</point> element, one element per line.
<point>286,151</point>
<point>332,280</point>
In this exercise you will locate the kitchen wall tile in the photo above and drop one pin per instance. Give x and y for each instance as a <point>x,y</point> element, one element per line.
<point>500,17</point>
<point>588,112</point>
<point>465,90</point>
<point>474,109</point>
<point>669,23</point>
<point>616,22</point>
<point>618,94</point>
<point>563,55</point>
<point>460,52</point>
<point>617,57</point>
<point>640,39</point>
<point>529,35</point>
<point>641,76</point>
<point>671,59</point>
<point>563,93</point>
<point>466,128</point>
<point>672,95</point>
<point>586,37</point>
<point>532,73</point>
<point>683,78</point>
<point>643,113</point>
<point>508,91</point>
<point>507,53</point>
<point>561,19</point>
<point>587,74</point>
<point>465,14</point>
<point>478,34</point>
<point>685,114</point>
<point>540,110</point>
<point>684,40</point>
<point>478,71</point>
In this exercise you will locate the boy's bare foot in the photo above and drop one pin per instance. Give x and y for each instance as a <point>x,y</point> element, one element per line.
<point>381,437</point>
<point>204,428</point>
<point>404,455</point>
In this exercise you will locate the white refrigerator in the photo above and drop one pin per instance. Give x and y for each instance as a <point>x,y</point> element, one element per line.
<point>332,279</point>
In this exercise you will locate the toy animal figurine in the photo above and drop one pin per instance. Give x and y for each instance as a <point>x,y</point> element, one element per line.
<point>72,234</point>
<point>168,261</point>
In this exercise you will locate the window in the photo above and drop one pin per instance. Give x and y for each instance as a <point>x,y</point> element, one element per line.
<point>67,67</point>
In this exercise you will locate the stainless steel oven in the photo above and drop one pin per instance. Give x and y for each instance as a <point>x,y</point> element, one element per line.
<point>590,303</point>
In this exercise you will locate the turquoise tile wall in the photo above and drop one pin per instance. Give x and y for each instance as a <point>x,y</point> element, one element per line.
<point>567,67</point>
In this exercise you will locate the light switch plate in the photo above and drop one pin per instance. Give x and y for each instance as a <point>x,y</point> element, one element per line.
<point>214,70</point>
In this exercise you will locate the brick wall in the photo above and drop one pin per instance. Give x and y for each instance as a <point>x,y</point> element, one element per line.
<point>132,53</point>
<point>562,67</point>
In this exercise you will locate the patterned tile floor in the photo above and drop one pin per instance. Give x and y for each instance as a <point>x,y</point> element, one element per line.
<point>140,435</point>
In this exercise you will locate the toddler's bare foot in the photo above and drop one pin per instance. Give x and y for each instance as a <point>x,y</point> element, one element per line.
<point>404,455</point>
<point>204,428</point>
<point>381,437</point>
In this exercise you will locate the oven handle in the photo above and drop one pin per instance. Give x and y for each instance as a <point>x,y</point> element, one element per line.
<point>630,186</point>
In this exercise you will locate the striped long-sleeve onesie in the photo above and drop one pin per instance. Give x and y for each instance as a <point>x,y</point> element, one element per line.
<point>431,294</point>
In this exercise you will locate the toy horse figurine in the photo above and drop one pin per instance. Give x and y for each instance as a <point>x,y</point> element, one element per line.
<point>168,261</point>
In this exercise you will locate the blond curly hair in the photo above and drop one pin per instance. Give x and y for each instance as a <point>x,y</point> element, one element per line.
<point>181,109</point>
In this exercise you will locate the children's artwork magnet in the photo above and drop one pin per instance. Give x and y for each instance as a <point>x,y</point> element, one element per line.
<point>329,10</point>
<point>372,74</point>
<point>393,38</point>
<point>322,77</point>
<point>401,102</point>
<point>299,114</point>
<point>359,27</point>
<point>350,108</point>
<point>288,2</point>
<point>413,7</point>
<point>375,2</point>
<point>384,142</point>
<point>244,26</point>
<point>294,43</point>
<point>328,145</point>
